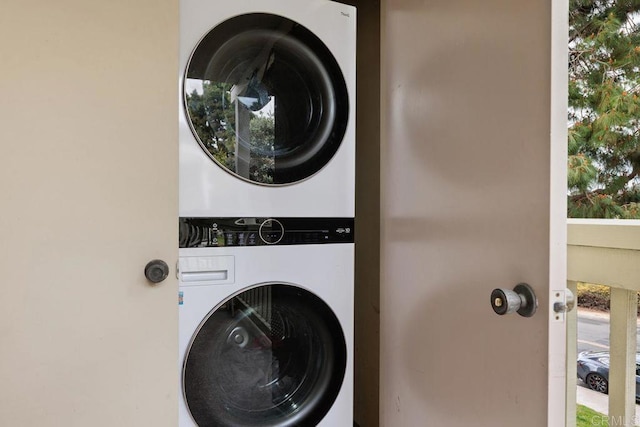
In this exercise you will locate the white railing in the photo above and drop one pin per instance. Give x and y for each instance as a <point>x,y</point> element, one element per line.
<point>607,252</point>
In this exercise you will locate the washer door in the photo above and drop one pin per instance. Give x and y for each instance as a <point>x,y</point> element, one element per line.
<point>274,355</point>
<point>266,99</point>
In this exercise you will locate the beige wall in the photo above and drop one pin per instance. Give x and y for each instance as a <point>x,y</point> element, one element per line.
<point>465,179</point>
<point>465,208</point>
<point>88,172</point>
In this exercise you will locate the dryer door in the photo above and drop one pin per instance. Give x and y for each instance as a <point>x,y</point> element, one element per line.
<point>274,355</point>
<point>266,99</point>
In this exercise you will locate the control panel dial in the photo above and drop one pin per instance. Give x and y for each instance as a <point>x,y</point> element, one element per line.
<point>271,231</point>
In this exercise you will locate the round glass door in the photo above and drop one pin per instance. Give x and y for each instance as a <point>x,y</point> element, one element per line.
<point>274,355</point>
<point>266,99</point>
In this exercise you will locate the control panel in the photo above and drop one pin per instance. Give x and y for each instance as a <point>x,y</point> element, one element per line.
<point>215,232</point>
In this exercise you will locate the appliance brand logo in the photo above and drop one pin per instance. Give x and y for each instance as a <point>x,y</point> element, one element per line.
<point>342,230</point>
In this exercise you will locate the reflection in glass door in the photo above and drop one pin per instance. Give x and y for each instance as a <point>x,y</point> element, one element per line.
<point>274,355</point>
<point>266,99</point>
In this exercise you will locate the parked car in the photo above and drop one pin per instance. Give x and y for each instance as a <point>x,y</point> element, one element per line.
<point>593,369</point>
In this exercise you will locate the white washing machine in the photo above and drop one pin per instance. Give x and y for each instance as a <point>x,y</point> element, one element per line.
<point>266,322</point>
<point>267,108</point>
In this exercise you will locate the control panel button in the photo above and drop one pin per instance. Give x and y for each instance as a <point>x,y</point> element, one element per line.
<point>271,231</point>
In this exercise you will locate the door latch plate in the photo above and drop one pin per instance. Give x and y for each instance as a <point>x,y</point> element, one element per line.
<point>562,302</point>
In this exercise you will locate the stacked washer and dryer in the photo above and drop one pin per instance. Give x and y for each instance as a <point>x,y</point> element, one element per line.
<point>267,178</point>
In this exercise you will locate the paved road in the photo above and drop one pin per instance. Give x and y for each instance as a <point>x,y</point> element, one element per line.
<point>593,331</point>
<point>593,335</point>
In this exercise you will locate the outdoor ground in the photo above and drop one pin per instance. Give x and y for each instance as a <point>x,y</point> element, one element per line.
<point>594,298</point>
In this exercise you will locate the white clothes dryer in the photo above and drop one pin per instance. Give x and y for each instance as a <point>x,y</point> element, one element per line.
<point>267,108</point>
<point>266,322</point>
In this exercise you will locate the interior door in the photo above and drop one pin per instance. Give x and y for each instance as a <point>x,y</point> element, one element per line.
<point>473,192</point>
<point>88,165</point>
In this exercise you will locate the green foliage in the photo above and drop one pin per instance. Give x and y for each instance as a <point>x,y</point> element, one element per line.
<point>596,297</point>
<point>213,117</point>
<point>587,417</point>
<point>604,109</point>
<point>262,143</point>
<point>210,122</point>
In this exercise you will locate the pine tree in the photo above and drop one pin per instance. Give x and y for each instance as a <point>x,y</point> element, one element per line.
<point>604,109</point>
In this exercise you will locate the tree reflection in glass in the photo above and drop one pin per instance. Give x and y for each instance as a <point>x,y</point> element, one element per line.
<point>236,125</point>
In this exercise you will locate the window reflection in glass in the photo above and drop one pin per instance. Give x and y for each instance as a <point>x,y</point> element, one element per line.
<point>272,355</point>
<point>266,99</point>
<point>236,125</point>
